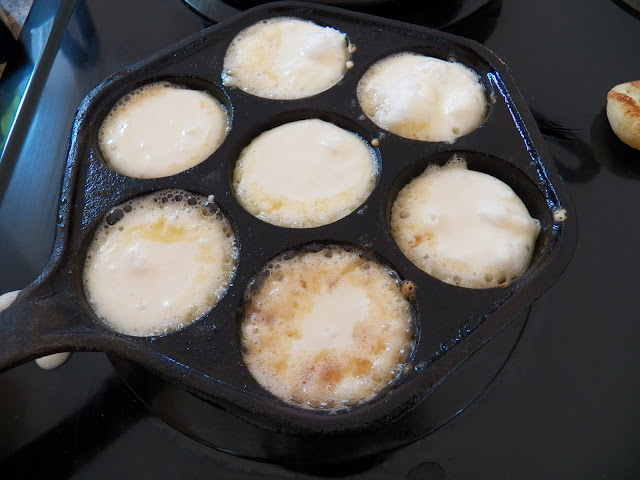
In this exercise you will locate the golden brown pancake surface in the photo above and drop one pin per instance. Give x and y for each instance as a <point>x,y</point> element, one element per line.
<point>327,329</point>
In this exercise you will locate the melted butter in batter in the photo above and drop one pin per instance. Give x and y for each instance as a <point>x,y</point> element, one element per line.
<point>286,58</point>
<point>422,98</point>
<point>161,266</point>
<point>464,227</point>
<point>327,329</point>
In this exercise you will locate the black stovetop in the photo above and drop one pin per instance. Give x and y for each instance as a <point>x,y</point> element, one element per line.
<point>565,403</point>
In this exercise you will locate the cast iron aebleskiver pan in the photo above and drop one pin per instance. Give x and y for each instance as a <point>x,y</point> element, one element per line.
<point>52,314</point>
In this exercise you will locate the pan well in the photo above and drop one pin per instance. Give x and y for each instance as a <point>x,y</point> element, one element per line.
<point>327,328</point>
<point>159,262</point>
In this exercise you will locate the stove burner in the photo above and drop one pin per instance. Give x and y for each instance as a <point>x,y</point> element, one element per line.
<point>214,10</point>
<point>436,15</point>
<point>219,429</point>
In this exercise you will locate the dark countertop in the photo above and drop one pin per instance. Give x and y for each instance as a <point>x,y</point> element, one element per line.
<point>565,405</point>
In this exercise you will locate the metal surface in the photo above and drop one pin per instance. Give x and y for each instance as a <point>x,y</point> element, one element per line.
<point>564,405</point>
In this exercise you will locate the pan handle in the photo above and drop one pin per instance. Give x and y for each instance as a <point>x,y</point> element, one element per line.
<point>41,321</point>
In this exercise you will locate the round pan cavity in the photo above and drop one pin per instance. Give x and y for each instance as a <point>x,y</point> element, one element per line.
<point>507,173</point>
<point>327,327</point>
<point>286,58</point>
<point>158,262</point>
<point>305,173</point>
<point>203,117</point>
<point>422,97</point>
<point>205,358</point>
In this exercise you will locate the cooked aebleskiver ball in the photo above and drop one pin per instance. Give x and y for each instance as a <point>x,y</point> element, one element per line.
<point>623,112</point>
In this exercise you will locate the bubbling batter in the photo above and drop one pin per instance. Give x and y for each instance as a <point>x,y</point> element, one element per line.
<point>464,227</point>
<point>422,98</point>
<point>286,58</point>
<point>159,262</point>
<point>305,174</point>
<point>161,129</point>
<point>326,329</point>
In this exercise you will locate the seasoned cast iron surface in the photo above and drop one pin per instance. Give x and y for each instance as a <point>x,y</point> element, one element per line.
<point>204,358</point>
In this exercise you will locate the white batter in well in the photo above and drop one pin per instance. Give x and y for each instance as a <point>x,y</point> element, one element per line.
<point>422,98</point>
<point>166,262</point>
<point>464,227</point>
<point>286,58</point>
<point>305,174</point>
<point>162,129</point>
<point>327,329</point>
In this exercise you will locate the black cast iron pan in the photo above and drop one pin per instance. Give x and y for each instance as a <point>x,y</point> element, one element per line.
<point>52,314</point>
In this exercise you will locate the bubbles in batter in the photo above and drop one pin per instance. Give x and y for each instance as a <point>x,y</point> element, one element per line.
<point>161,129</point>
<point>159,262</point>
<point>286,58</point>
<point>464,227</point>
<point>305,174</point>
<point>422,98</point>
<point>327,328</point>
